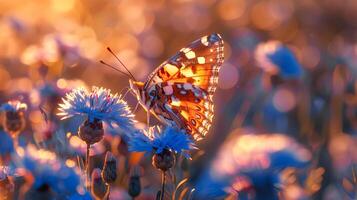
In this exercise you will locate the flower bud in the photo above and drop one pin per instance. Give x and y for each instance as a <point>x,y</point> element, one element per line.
<point>109,172</point>
<point>14,122</point>
<point>134,188</point>
<point>98,188</point>
<point>164,160</point>
<point>91,132</point>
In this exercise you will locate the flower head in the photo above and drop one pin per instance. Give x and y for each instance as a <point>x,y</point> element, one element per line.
<point>48,171</point>
<point>6,144</point>
<point>98,104</point>
<point>134,188</point>
<point>155,140</point>
<point>277,59</point>
<point>252,161</point>
<point>51,92</point>
<point>14,116</point>
<point>13,106</point>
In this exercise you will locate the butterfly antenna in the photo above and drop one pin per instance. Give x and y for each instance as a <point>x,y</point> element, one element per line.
<point>110,50</point>
<point>116,69</point>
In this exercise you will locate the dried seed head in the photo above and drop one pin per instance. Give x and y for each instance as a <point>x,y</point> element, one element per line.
<point>14,122</point>
<point>109,172</point>
<point>98,187</point>
<point>91,132</point>
<point>164,160</point>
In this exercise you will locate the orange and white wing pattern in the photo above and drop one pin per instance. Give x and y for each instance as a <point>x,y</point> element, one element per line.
<point>185,85</point>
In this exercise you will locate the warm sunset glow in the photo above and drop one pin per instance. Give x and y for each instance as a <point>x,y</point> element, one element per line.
<point>178,99</point>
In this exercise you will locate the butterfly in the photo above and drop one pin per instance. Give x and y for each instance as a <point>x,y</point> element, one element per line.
<point>180,91</point>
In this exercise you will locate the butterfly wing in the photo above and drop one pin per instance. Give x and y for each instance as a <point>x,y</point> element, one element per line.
<point>187,82</point>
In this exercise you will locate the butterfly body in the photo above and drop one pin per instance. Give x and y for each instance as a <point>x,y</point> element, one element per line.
<point>180,91</point>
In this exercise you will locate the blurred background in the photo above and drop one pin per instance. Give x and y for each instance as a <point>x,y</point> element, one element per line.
<point>305,95</point>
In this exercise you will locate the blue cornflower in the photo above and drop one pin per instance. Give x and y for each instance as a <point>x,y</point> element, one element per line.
<point>14,121</point>
<point>164,144</point>
<point>78,196</point>
<point>13,106</point>
<point>48,171</point>
<point>277,59</point>
<point>98,104</point>
<point>6,143</point>
<point>252,161</point>
<point>155,140</point>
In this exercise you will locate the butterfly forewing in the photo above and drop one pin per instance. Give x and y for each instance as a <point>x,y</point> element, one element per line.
<point>186,83</point>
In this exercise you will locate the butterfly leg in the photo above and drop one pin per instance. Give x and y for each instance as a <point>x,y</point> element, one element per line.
<point>125,90</point>
<point>175,118</point>
<point>172,117</point>
<point>136,107</point>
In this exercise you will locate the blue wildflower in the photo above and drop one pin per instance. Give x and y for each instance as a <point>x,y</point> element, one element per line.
<point>78,196</point>
<point>14,121</point>
<point>6,143</point>
<point>155,140</point>
<point>277,59</point>
<point>255,159</point>
<point>98,104</point>
<point>13,106</point>
<point>48,171</point>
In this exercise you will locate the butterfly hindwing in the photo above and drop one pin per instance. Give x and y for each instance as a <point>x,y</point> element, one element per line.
<point>194,107</point>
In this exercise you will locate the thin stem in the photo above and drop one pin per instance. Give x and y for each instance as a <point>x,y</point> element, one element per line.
<point>87,168</point>
<point>15,139</point>
<point>108,192</point>
<point>163,177</point>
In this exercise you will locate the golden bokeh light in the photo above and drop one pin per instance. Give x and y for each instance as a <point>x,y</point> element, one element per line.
<point>231,9</point>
